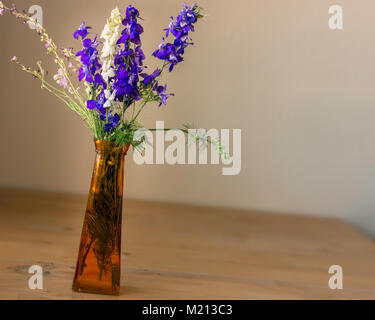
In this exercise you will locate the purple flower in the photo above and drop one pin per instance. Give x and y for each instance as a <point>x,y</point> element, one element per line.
<point>172,52</point>
<point>90,63</point>
<point>131,13</point>
<point>129,60</point>
<point>133,29</point>
<point>163,96</point>
<point>149,78</point>
<point>160,91</point>
<point>81,31</point>
<point>112,121</point>
<point>97,104</point>
<point>99,81</point>
<point>91,104</point>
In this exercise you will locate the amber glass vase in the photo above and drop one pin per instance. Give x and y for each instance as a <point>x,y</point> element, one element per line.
<point>99,256</point>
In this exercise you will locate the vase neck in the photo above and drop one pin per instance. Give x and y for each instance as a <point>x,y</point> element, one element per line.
<point>105,146</point>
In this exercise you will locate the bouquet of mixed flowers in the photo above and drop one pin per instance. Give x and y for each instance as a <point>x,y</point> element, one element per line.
<point>117,84</point>
<point>117,87</point>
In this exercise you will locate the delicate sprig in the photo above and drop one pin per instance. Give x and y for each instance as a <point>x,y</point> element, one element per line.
<point>40,74</point>
<point>203,139</point>
<point>71,97</point>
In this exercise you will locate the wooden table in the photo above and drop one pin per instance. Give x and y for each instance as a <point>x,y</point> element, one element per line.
<point>184,252</point>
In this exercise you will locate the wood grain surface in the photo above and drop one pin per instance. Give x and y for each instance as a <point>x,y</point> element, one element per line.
<point>174,251</point>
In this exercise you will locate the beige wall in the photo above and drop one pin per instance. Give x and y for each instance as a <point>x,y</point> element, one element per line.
<point>302,94</point>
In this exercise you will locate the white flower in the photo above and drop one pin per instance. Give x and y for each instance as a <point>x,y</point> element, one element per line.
<point>111,33</point>
<point>110,98</point>
<point>109,73</point>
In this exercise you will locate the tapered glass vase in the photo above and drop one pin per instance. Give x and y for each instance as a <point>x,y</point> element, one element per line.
<point>99,257</point>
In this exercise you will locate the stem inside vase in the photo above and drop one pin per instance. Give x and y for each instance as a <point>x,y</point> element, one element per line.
<point>98,265</point>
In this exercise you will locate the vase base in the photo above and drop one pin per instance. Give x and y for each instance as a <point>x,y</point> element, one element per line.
<point>96,290</point>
